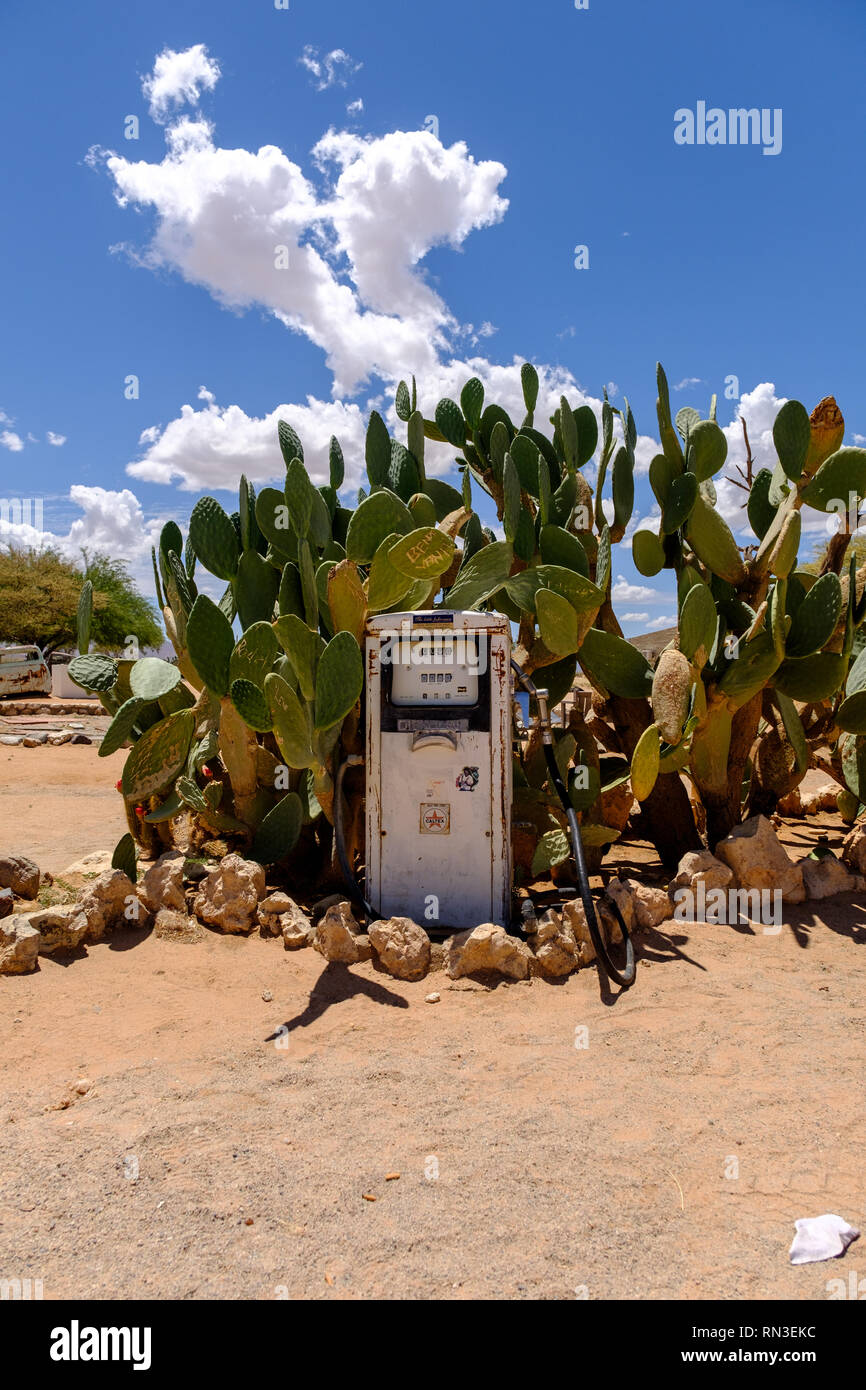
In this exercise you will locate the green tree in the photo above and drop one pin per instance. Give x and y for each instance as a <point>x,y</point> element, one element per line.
<point>39,593</point>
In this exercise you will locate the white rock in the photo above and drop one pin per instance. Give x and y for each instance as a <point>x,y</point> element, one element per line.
<point>854,848</point>
<point>700,866</point>
<point>11,740</point>
<point>169,925</point>
<point>229,896</point>
<point>487,947</point>
<point>19,874</point>
<point>432,998</point>
<point>95,863</point>
<point>338,936</point>
<point>652,905</point>
<point>162,885</point>
<point>826,877</point>
<point>109,901</point>
<point>574,917</point>
<point>280,915</point>
<point>60,928</point>
<point>555,947</point>
<point>19,946</point>
<point>56,740</point>
<point>621,895</point>
<point>402,947</point>
<point>759,861</point>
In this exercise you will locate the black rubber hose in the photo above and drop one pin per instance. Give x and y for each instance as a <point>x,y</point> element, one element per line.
<point>626,976</point>
<point>354,760</point>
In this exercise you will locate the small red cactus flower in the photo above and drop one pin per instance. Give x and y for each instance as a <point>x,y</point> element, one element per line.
<point>140,811</point>
<point>119,786</point>
<point>206,771</point>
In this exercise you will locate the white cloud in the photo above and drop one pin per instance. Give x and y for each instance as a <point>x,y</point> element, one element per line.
<point>658,624</point>
<point>635,593</point>
<point>352,284</point>
<point>209,448</point>
<point>112,521</point>
<point>860,440</point>
<point>329,69</point>
<point>178,79</point>
<point>10,440</point>
<point>355,108</point>
<point>635,617</point>
<point>688,381</point>
<point>58,440</point>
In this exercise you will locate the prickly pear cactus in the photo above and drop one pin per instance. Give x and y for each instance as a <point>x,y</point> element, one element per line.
<point>247,730</point>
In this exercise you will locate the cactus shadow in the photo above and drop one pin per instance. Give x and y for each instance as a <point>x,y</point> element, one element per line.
<point>808,921</point>
<point>663,948</point>
<point>336,984</point>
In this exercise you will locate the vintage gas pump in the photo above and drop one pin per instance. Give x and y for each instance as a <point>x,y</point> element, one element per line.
<point>438,767</point>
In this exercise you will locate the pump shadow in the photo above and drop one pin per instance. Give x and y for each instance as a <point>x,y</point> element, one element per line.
<point>336,984</point>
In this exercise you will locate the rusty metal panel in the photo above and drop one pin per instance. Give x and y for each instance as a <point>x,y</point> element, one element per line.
<point>23,671</point>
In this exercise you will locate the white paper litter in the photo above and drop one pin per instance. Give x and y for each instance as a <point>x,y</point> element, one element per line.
<point>821,1238</point>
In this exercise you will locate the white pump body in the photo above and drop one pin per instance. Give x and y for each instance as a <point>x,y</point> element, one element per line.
<point>438,767</point>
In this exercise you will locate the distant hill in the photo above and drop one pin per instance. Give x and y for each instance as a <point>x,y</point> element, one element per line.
<point>652,643</point>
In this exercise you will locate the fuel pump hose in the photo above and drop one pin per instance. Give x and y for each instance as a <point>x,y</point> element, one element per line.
<point>624,977</point>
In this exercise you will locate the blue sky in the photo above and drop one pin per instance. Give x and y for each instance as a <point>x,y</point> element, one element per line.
<point>433,231</point>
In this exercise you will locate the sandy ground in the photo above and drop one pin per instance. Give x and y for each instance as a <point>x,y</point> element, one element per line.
<point>227,1146</point>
